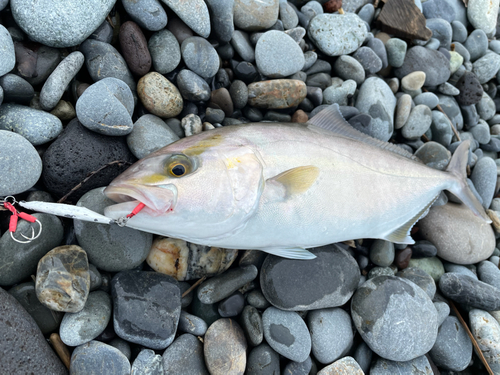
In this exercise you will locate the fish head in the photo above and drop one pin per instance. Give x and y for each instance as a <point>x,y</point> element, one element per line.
<point>198,188</point>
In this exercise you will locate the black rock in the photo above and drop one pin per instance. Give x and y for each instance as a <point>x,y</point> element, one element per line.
<point>246,72</point>
<point>471,90</point>
<point>232,305</point>
<point>329,280</point>
<point>423,249</point>
<point>474,293</point>
<point>147,306</point>
<point>77,152</point>
<point>208,312</point>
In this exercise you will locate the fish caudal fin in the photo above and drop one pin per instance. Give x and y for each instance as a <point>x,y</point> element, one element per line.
<point>460,189</point>
<point>291,253</point>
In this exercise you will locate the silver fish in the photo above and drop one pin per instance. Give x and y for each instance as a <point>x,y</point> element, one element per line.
<point>282,188</point>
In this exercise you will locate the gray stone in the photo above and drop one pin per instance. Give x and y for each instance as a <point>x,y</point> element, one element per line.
<point>448,89</point>
<point>255,15</point>
<point>489,273</point>
<point>192,324</point>
<point>122,346</point>
<point>222,18</point>
<point>147,363</point>
<point>331,333</point>
<point>396,52</point>
<point>38,127</point>
<point>336,34</point>
<point>219,287</point>
<point>242,45</point>
<point>184,355</point>
<point>53,25</point>
<point>380,271</point>
<point>481,132</point>
<point>106,107</point>
<point>346,365</point>
<point>81,327</point>
<point>384,301</point>
<point>403,109</point>
<point>427,98</point>
<point>47,61</point>
<point>483,14</point>
<point>338,93</point>
<point>486,107</point>
<point>200,56</point>
<point>376,99</point>
<point>452,110</point>
<point>8,60</point>
<point>476,44</point>
<point>252,325</point>
<point>92,357</point>
<point>165,51</point>
<point>484,177</point>
<point>368,59</point>
<point>23,347</point>
<point>348,67</point>
<point>256,299</point>
<point>297,368</point>
<point>150,133</point>
<point>434,155</point>
<point>55,85</point>
<point>277,55</point>
<point>149,14</point>
<point>382,253</point>
<point>486,67</point>
<point>438,9</point>
<point>288,15</point>
<point>16,89</point>
<point>287,333</point>
<point>20,165</point>
<point>441,30</point>
<point>379,48</point>
<point>456,268</point>
<point>263,360</point>
<point>96,278</point>
<point>443,311</point>
<point>416,366</point>
<point>459,31</point>
<point>194,14</point>
<point>418,123</point>
<point>435,65</point>
<point>486,331</point>
<point>467,290</point>
<point>421,278</point>
<point>110,247</point>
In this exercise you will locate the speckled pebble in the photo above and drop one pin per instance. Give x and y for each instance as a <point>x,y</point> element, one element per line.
<point>200,56</point>
<point>368,59</point>
<point>165,51</point>
<point>149,14</point>
<point>346,365</point>
<point>482,14</point>
<point>348,67</point>
<point>426,98</point>
<point>419,365</point>
<point>92,357</point>
<point>486,67</point>
<point>159,95</point>
<point>486,331</point>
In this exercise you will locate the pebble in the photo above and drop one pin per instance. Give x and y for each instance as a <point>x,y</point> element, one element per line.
<point>329,280</point>
<point>432,266</point>
<point>470,88</point>
<point>441,30</point>
<point>106,107</point>
<point>243,46</point>
<point>96,279</point>
<point>194,14</point>
<point>184,355</point>
<point>481,133</point>
<point>476,44</point>
<point>137,291</point>
<point>484,178</point>
<point>419,365</point>
<point>452,110</point>
<point>276,94</point>
<point>486,67</point>
<point>378,46</point>
<point>8,60</point>
<point>23,347</point>
<point>413,81</point>
<point>149,14</point>
<point>448,89</point>
<point>486,107</point>
<point>349,68</point>
<point>147,362</point>
<point>382,253</point>
<point>368,59</point>
<point>376,99</point>
<point>423,249</point>
<point>421,278</point>
<point>459,31</point>
<point>221,98</point>
<point>37,126</point>
<point>489,273</point>
<point>252,325</point>
<point>159,96</point>
<point>486,331</point>
<point>225,348</point>
<point>192,324</point>
<point>134,48</point>
<point>403,257</point>
<point>232,305</point>
<point>263,360</point>
<point>403,109</point>
<point>347,30</point>
<point>277,55</point>
<point>331,333</point>
<point>55,26</point>
<point>434,155</point>
<point>427,98</point>
<point>438,9</point>
<point>346,365</point>
<point>433,63</point>
<point>374,317</point>
<point>222,286</point>
<point>221,13</point>
<point>16,89</point>
<point>81,327</point>
<point>418,122</point>
<point>467,290</point>
<point>483,15</point>
<point>191,124</point>
<point>92,357</point>
<point>396,52</point>
<point>110,247</point>
<point>200,56</point>
<point>165,51</point>
<point>450,267</point>
<point>192,87</point>
<point>119,344</point>
<point>63,279</point>
<point>287,333</point>
<point>255,15</point>
<point>338,93</point>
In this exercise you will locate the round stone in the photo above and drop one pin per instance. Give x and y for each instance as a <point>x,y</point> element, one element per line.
<point>403,110</point>
<point>92,357</point>
<point>16,89</point>
<point>348,67</point>
<point>277,55</point>
<point>419,365</point>
<point>263,360</point>
<point>147,362</point>
<point>85,325</point>
<point>441,30</point>
<point>192,324</point>
<point>486,67</point>
<point>149,14</point>
<point>438,9</point>
<point>484,179</point>
<point>384,301</point>
<point>232,305</point>
<point>346,365</point>
<point>489,273</point>
<point>396,52</point>
<point>243,46</point>
<point>8,60</point>
<point>254,15</point>
<point>184,356</point>
<point>418,123</point>
<point>337,34</point>
<point>482,14</point>
<point>165,51</point>
<point>159,96</point>
<point>434,155</point>
<point>276,94</point>
<point>427,98</point>
<point>382,253</point>
<point>432,266</point>
<point>194,14</point>
<point>433,63</point>
<point>287,334</point>
<point>252,325</point>
<point>421,278</point>
<point>368,59</point>
<point>200,56</point>
<point>486,331</point>
<point>476,44</point>
<point>134,48</point>
<point>192,86</point>
<point>225,348</point>
<point>60,25</point>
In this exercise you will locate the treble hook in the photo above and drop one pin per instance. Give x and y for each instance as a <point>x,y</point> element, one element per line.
<point>14,218</point>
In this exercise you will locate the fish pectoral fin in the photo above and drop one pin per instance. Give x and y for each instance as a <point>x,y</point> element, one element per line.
<point>402,234</point>
<point>291,253</point>
<point>296,180</point>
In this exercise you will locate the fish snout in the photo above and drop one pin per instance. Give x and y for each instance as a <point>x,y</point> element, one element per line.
<point>160,199</point>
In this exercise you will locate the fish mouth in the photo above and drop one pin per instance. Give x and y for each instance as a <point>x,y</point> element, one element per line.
<point>158,200</point>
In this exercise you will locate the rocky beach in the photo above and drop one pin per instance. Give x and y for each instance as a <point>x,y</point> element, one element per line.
<point>88,87</point>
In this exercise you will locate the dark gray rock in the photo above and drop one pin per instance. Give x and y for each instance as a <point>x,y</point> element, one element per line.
<point>263,360</point>
<point>363,356</point>
<point>471,90</point>
<point>221,15</point>
<point>165,51</point>
<point>135,292</point>
<point>433,63</point>
<point>382,253</point>
<point>299,368</point>
<point>421,278</point>
<point>232,305</point>
<point>149,14</point>
<point>489,273</point>
<point>184,355</point>
<point>251,322</point>
<point>47,60</point>
<point>91,358</point>
<point>329,280</point>
<point>192,324</point>
<point>16,89</point>
<point>368,59</point>
<point>192,87</point>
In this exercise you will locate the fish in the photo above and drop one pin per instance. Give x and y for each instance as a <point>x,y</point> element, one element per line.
<point>283,188</point>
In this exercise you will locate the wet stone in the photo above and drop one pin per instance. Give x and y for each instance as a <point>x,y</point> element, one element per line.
<point>63,279</point>
<point>383,300</point>
<point>263,360</point>
<point>467,290</point>
<point>486,331</point>
<point>134,48</point>
<point>81,327</point>
<point>92,357</point>
<point>200,56</point>
<point>23,347</point>
<point>225,348</point>
<point>276,94</point>
<point>147,363</point>
<point>165,51</point>
<point>149,14</point>
<point>471,90</point>
<point>135,292</point>
<point>159,96</point>
<point>329,280</point>
<point>184,355</point>
<point>421,278</point>
<point>110,247</point>
<point>191,324</point>
<point>232,305</point>
<point>251,322</point>
<point>287,334</point>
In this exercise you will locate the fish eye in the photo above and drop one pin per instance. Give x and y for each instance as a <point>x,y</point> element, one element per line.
<point>178,165</point>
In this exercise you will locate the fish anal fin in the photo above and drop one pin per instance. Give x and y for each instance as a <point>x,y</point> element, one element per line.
<point>402,234</point>
<point>291,253</point>
<point>297,180</point>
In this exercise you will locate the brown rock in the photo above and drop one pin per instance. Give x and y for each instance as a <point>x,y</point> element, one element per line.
<point>80,89</point>
<point>332,6</point>
<point>402,258</point>
<point>135,48</point>
<point>63,279</point>
<point>159,95</point>
<point>64,111</point>
<point>403,19</point>
<point>300,116</point>
<point>221,99</point>
<point>225,348</point>
<point>277,93</point>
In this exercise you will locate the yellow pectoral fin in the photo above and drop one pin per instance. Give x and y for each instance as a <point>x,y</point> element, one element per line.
<point>298,180</point>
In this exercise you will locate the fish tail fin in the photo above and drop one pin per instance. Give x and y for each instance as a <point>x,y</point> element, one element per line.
<point>460,188</point>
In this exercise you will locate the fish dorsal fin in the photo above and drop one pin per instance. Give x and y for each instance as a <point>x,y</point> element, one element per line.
<point>331,119</point>
<point>402,234</point>
<point>298,180</point>
<point>291,253</point>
